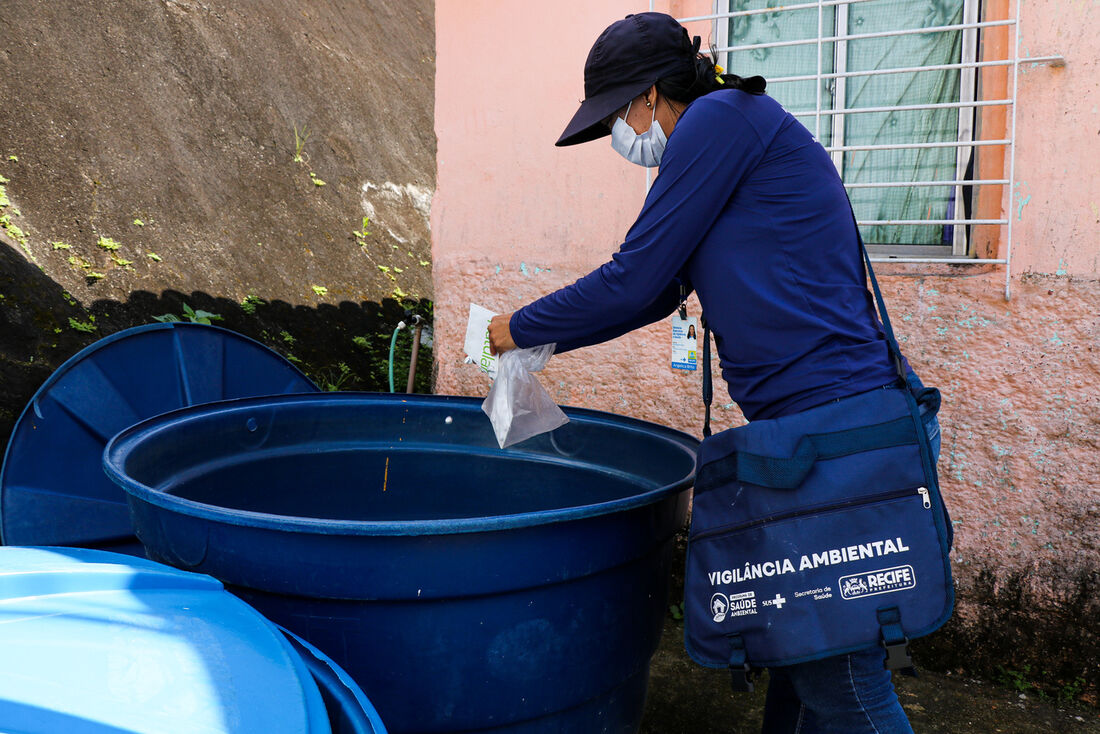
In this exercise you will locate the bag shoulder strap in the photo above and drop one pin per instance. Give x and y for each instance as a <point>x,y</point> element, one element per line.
<point>891,341</point>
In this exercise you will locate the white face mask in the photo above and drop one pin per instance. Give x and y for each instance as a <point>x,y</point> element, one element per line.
<point>646,148</point>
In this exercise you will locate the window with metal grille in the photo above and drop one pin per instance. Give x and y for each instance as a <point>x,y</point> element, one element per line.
<point>914,99</point>
<point>888,87</point>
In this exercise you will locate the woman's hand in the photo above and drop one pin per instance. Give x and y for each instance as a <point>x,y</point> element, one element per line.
<point>500,334</point>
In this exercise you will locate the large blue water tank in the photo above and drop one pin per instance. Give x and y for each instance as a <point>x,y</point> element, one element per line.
<point>466,588</point>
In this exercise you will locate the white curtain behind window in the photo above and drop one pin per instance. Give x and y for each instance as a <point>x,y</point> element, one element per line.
<point>876,128</point>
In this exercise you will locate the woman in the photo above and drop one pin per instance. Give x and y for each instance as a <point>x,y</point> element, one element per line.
<point>749,212</point>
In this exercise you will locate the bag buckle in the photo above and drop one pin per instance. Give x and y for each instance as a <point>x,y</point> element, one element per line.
<point>740,670</point>
<point>894,641</point>
<point>897,654</point>
<point>741,679</point>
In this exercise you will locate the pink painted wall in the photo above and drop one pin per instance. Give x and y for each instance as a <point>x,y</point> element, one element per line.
<point>514,218</point>
<point>1057,198</point>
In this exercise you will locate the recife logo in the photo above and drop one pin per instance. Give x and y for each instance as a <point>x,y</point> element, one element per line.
<point>882,581</point>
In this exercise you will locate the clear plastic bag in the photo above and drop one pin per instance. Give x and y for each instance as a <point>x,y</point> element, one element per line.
<point>517,404</point>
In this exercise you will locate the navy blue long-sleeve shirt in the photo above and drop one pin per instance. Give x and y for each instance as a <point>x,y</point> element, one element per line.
<point>748,210</point>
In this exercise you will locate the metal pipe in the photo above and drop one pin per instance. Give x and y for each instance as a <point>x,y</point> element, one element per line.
<point>415,351</point>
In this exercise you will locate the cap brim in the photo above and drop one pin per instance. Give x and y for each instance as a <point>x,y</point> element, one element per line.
<point>587,123</point>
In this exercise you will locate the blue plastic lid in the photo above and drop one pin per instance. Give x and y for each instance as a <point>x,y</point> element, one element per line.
<point>52,487</point>
<point>101,643</point>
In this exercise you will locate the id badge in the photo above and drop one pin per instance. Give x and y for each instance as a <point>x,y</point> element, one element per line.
<point>684,343</point>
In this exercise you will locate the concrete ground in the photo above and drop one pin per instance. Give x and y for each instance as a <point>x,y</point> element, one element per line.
<point>685,698</point>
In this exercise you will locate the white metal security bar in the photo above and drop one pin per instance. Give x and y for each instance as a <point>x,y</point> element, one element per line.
<point>863,36</point>
<point>967,106</point>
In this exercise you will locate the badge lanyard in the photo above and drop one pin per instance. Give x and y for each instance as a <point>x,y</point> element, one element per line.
<point>684,340</point>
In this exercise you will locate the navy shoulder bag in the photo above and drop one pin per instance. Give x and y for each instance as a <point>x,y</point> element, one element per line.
<point>818,533</point>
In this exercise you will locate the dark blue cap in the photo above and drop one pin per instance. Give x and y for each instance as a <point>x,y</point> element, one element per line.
<point>626,60</point>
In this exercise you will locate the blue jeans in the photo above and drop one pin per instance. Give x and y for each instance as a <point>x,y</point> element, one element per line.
<point>845,694</point>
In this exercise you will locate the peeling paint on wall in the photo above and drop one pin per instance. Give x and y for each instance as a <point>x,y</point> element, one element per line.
<point>402,210</point>
<point>528,271</point>
<point>1021,200</point>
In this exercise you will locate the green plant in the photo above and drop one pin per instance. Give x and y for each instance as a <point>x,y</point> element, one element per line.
<point>300,139</point>
<point>107,244</point>
<point>153,256</point>
<point>361,342</point>
<point>287,337</point>
<point>320,290</point>
<point>1019,680</point>
<point>190,314</point>
<point>316,181</point>
<point>1071,691</point>
<point>362,233</point>
<point>331,382</point>
<point>1023,681</point>
<point>15,232</point>
<point>248,305</point>
<point>84,326</point>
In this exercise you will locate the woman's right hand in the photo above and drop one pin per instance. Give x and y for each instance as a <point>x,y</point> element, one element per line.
<point>500,334</point>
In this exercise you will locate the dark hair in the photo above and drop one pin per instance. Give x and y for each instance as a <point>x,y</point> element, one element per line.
<point>698,76</point>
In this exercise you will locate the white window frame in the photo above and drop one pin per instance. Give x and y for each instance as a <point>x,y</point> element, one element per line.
<point>967,105</point>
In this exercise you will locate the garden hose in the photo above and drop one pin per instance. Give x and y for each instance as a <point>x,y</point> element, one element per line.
<point>393,343</point>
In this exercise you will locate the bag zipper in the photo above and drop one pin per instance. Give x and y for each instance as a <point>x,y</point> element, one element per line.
<point>922,492</point>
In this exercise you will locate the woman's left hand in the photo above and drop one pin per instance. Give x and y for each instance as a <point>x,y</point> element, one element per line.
<point>500,334</point>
